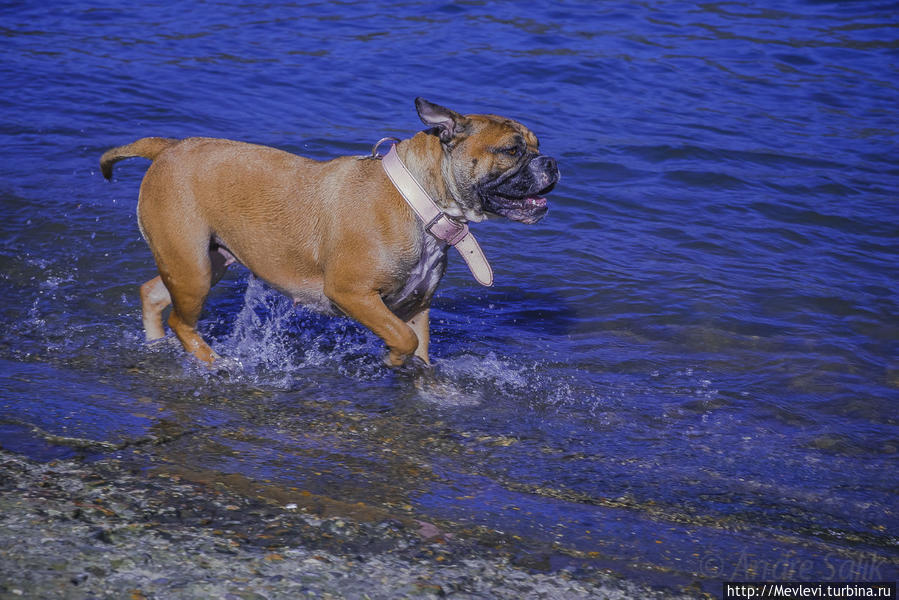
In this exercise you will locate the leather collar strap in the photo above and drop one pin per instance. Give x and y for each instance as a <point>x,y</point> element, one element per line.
<point>437,222</point>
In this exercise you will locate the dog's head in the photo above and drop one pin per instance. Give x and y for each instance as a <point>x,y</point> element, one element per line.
<point>491,165</point>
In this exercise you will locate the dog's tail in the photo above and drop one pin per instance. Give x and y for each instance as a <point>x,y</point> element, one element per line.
<point>148,147</point>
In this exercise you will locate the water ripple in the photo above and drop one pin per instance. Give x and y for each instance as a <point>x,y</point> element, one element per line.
<point>701,334</point>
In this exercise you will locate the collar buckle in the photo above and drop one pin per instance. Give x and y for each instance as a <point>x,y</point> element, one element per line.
<point>436,222</point>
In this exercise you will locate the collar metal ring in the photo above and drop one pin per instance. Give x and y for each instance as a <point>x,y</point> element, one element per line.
<point>374,149</point>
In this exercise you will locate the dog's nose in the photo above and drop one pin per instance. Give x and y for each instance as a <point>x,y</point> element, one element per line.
<point>546,168</point>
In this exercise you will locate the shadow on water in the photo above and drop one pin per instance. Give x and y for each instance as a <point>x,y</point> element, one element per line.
<point>540,311</point>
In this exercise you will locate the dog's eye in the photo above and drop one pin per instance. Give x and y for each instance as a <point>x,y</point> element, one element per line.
<point>511,151</point>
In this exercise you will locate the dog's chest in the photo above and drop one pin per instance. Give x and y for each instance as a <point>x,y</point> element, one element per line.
<point>415,294</point>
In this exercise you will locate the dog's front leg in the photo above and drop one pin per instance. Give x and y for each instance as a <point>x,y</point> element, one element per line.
<point>368,308</point>
<point>420,324</point>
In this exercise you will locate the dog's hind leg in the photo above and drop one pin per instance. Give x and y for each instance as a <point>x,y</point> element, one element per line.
<point>154,299</point>
<point>189,291</point>
<point>187,272</point>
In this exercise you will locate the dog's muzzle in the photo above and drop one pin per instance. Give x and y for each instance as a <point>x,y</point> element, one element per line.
<point>520,194</point>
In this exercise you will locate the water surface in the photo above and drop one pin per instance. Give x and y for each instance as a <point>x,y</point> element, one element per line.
<point>686,372</point>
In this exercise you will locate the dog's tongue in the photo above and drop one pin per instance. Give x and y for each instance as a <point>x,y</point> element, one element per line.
<point>537,201</point>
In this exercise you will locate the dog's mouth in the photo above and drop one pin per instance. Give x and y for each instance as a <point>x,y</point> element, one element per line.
<point>528,209</point>
<point>520,195</point>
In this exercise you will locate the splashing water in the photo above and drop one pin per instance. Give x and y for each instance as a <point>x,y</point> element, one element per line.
<point>276,343</point>
<point>693,356</point>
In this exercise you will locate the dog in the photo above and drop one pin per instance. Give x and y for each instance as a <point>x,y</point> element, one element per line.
<point>337,236</point>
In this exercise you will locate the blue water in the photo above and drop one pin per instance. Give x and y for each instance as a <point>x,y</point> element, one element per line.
<point>688,371</point>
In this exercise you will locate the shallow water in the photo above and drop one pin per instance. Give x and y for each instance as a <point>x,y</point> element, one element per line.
<point>687,371</point>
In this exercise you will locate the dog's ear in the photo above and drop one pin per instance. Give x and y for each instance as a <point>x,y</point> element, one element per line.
<point>447,123</point>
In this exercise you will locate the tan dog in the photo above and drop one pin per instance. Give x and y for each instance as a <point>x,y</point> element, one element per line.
<point>335,235</point>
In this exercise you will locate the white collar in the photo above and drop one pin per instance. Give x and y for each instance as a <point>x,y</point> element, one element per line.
<point>437,222</point>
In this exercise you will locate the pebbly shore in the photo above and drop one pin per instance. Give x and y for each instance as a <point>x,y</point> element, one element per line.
<point>71,529</point>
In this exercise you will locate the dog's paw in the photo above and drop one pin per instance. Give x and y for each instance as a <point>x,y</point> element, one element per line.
<point>413,366</point>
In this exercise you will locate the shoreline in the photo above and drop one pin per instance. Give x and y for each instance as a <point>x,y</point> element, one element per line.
<point>108,529</point>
